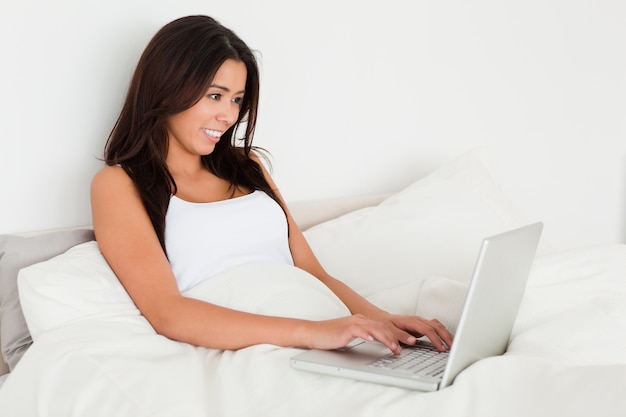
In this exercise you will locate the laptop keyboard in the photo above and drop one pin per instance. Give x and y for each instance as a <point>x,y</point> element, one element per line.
<point>423,360</point>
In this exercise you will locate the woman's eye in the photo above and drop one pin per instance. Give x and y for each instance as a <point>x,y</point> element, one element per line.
<point>238,100</point>
<point>215,96</point>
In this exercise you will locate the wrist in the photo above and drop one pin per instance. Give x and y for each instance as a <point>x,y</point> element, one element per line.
<point>303,334</point>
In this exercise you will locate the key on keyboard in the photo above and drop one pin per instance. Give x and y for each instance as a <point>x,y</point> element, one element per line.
<point>425,360</point>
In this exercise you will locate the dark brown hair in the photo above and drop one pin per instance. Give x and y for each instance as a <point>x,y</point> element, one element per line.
<point>173,73</point>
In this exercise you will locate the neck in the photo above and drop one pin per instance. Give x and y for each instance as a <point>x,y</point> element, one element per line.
<point>181,165</point>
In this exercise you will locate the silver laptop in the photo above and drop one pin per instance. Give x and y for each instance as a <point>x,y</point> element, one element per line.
<point>491,305</point>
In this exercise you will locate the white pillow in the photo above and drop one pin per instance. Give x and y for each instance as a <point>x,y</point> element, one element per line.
<point>72,286</point>
<point>433,228</point>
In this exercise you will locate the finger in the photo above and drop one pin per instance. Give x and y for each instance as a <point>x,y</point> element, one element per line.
<point>432,329</point>
<point>440,338</point>
<point>385,335</point>
<point>443,332</point>
<point>391,343</point>
<point>405,337</point>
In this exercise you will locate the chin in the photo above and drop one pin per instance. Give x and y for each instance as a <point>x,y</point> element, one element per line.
<point>206,151</point>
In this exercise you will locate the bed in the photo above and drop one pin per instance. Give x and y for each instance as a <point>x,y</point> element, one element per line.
<point>76,345</point>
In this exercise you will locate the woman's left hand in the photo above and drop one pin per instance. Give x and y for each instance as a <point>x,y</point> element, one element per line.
<point>408,328</point>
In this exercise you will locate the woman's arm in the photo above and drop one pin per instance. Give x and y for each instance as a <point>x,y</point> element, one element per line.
<point>129,243</point>
<point>405,328</point>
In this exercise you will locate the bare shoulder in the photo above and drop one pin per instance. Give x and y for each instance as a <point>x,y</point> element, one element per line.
<point>116,206</point>
<point>260,157</point>
<point>112,186</point>
<point>110,176</point>
<point>263,162</point>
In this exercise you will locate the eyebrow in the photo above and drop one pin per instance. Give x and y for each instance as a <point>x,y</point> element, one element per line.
<point>221,87</point>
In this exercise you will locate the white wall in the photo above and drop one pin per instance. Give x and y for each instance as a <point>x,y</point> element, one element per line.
<point>357,97</point>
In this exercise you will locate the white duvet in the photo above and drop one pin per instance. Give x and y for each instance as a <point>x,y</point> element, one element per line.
<point>99,357</point>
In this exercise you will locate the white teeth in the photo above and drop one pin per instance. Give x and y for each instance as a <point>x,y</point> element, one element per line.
<point>214,133</point>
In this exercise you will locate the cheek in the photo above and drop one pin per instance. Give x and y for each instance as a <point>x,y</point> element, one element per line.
<point>176,123</point>
<point>175,131</point>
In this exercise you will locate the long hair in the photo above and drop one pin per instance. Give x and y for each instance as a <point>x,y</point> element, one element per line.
<point>173,73</point>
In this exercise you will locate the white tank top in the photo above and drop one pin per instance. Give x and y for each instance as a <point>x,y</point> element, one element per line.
<point>203,239</point>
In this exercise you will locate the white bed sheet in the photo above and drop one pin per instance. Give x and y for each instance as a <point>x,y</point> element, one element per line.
<point>567,357</point>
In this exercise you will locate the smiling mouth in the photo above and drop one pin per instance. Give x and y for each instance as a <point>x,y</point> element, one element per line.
<point>213,133</point>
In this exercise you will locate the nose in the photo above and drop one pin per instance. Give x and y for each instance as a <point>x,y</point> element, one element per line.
<point>228,112</point>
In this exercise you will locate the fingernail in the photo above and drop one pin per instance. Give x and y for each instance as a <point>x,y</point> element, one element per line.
<point>411,340</point>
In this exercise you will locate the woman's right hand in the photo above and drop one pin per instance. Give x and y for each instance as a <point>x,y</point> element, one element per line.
<point>337,333</point>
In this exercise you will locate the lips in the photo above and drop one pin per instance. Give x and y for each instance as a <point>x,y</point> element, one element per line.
<point>213,134</point>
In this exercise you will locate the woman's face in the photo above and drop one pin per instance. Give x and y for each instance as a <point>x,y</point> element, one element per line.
<point>196,130</point>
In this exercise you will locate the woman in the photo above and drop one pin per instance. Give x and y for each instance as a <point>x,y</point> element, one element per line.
<point>172,188</point>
